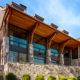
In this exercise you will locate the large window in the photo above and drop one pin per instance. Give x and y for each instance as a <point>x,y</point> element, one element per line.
<point>18,37</point>
<point>17,57</point>
<point>18,44</point>
<point>54,53</point>
<point>54,49</point>
<point>39,49</point>
<point>39,60</point>
<point>13,56</point>
<point>54,62</point>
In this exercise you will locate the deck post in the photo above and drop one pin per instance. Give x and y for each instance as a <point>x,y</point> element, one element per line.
<point>5,50</point>
<point>30,46</point>
<point>61,59</point>
<point>48,51</point>
<point>70,51</point>
<point>31,53</point>
<point>78,55</point>
<point>48,56</point>
<point>61,49</point>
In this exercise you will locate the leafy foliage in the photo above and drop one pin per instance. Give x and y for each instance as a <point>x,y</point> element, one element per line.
<point>39,77</point>
<point>10,76</point>
<point>51,78</point>
<point>62,78</point>
<point>71,78</point>
<point>78,78</point>
<point>26,77</point>
<point>1,76</point>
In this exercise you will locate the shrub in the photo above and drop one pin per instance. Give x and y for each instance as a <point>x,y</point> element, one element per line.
<point>78,78</point>
<point>71,78</point>
<point>1,76</point>
<point>51,78</point>
<point>62,78</point>
<point>39,77</point>
<point>10,76</point>
<point>26,77</point>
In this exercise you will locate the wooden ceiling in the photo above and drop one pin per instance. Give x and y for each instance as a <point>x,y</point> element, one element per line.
<point>25,21</point>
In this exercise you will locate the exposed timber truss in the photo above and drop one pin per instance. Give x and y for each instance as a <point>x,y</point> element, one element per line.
<point>31,32</point>
<point>49,39</point>
<point>62,46</point>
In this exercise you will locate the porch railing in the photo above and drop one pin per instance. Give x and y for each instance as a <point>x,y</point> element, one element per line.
<point>67,61</point>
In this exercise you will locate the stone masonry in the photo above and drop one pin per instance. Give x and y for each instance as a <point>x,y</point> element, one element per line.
<point>35,69</point>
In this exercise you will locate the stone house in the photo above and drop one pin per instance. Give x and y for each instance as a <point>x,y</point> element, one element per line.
<point>26,42</point>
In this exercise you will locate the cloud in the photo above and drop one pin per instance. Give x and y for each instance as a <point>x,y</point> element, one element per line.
<point>56,12</point>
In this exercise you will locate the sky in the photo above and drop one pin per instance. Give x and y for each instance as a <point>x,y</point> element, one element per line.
<point>63,13</point>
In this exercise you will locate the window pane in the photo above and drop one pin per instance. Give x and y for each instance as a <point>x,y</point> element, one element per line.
<point>42,51</point>
<point>39,48</point>
<point>13,43</point>
<point>41,61</point>
<point>35,60</point>
<point>18,39</point>
<point>13,56</point>
<point>36,49</point>
<point>56,55</point>
<point>52,53</point>
<point>22,57</point>
<point>40,58</point>
<point>21,45</point>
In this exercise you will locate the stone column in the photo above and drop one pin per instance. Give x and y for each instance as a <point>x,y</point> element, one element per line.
<point>61,59</point>
<point>48,56</point>
<point>70,55</point>
<point>78,55</point>
<point>78,52</point>
<point>30,53</point>
<point>5,50</point>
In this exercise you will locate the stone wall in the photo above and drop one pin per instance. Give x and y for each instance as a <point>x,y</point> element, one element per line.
<point>35,69</point>
<point>74,62</point>
<point>5,50</point>
<point>1,69</point>
<point>2,11</point>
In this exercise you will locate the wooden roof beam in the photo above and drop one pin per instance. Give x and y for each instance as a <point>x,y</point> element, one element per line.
<point>62,46</point>
<point>75,46</point>
<point>31,32</point>
<point>7,21</point>
<point>50,38</point>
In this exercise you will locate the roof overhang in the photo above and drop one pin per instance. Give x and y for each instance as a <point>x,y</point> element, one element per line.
<point>25,21</point>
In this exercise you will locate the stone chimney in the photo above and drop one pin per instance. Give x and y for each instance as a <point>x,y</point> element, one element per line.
<point>38,17</point>
<point>65,32</point>
<point>20,7</point>
<point>78,39</point>
<point>53,25</point>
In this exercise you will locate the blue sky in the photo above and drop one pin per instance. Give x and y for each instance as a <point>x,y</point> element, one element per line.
<point>64,13</point>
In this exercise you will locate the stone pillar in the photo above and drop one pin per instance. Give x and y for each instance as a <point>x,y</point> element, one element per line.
<point>78,52</point>
<point>5,50</point>
<point>78,55</point>
<point>61,59</point>
<point>48,56</point>
<point>70,55</point>
<point>30,53</point>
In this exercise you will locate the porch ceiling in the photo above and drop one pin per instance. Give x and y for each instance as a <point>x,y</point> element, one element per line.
<point>26,21</point>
